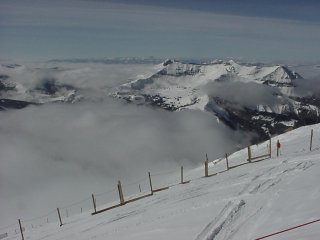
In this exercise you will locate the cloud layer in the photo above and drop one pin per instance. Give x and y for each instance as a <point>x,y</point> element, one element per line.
<point>57,154</point>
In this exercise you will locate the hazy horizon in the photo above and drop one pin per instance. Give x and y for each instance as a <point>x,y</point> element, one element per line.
<point>265,30</point>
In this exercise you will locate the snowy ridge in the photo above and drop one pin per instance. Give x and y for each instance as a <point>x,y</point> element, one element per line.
<point>246,202</point>
<point>236,94</point>
<point>179,84</point>
<point>262,99</point>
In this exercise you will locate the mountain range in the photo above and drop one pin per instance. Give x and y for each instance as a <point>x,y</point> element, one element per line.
<point>263,99</point>
<point>267,100</point>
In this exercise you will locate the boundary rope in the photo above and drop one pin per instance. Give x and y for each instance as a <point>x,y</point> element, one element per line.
<point>288,229</point>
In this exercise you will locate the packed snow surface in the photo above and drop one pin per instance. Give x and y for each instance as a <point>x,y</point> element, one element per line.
<point>245,202</point>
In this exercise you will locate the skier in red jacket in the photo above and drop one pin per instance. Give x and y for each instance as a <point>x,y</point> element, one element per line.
<point>278,144</point>
<point>278,148</point>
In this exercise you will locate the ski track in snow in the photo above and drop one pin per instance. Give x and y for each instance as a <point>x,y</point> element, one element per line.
<point>228,215</point>
<point>258,184</point>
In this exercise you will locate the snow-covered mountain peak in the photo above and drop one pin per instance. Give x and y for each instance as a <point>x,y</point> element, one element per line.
<point>176,80</point>
<point>232,91</point>
<point>281,75</point>
<point>216,69</point>
<point>168,61</point>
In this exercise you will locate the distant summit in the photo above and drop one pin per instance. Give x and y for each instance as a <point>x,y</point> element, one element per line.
<point>251,97</point>
<point>167,62</point>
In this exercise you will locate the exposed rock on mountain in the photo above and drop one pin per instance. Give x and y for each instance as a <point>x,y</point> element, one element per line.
<point>263,99</point>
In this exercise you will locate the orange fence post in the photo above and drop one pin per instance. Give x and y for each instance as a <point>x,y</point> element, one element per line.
<point>249,154</point>
<point>206,167</point>
<point>120,193</point>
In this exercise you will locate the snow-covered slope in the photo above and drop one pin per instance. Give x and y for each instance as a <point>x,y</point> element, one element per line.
<point>246,202</point>
<point>180,85</point>
<point>266,96</point>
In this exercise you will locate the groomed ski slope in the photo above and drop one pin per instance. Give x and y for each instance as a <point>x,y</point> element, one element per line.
<point>246,202</point>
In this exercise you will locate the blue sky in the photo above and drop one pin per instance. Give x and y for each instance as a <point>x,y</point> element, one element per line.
<point>264,30</point>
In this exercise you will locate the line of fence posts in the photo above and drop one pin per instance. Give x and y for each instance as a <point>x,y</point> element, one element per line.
<point>121,197</point>
<point>250,158</point>
<point>122,201</point>
<point>206,166</point>
<point>120,191</point>
<point>206,163</point>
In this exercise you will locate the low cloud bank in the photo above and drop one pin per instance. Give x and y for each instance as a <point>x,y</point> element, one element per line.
<point>251,94</point>
<point>243,94</point>
<point>308,87</point>
<point>56,154</point>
